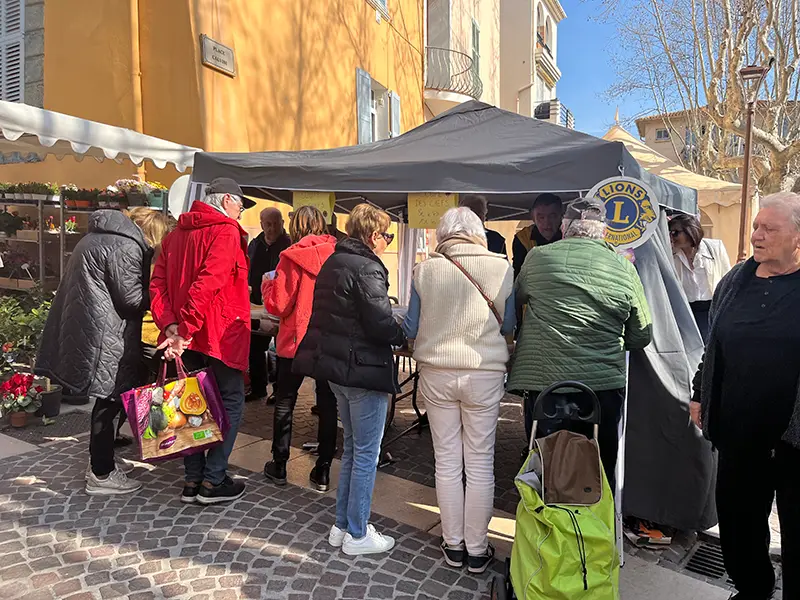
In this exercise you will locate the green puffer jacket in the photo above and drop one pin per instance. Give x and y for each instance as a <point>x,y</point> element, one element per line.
<point>585,306</point>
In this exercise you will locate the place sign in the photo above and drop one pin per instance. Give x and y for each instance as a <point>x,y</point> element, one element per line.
<point>218,56</point>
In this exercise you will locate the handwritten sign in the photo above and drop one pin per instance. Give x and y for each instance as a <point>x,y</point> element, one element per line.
<point>323,201</point>
<point>425,210</point>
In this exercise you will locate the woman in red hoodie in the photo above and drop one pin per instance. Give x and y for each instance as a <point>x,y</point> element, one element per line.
<point>289,295</point>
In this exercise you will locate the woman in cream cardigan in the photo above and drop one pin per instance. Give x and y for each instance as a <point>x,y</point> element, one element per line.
<point>700,265</point>
<point>462,304</point>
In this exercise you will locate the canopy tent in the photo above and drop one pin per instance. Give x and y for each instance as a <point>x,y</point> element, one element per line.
<point>719,200</point>
<point>474,148</point>
<point>709,190</point>
<point>30,133</point>
<point>511,158</point>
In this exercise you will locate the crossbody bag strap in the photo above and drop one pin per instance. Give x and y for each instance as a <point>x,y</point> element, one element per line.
<point>489,301</point>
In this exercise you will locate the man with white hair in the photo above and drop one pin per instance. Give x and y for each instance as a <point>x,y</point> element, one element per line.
<point>585,308</point>
<point>199,300</point>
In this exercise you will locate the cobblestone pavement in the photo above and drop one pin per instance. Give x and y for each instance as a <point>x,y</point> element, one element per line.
<point>413,454</point>
<point>57,542</point>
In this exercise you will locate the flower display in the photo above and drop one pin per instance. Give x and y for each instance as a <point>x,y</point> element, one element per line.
<point>18,394</point>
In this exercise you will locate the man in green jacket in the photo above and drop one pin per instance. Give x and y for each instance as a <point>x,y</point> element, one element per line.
<point>585,308</point>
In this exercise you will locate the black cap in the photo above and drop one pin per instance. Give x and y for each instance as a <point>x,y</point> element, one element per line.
<point>226,185</point>
<point>586,209</point>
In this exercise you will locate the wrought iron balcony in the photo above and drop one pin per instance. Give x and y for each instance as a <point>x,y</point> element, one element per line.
<point>542,44</point>
<point>452,71</point>
<point>555,112</point>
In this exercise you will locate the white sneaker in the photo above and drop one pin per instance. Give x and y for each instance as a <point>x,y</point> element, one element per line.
<point>336,537</point>
<point>372,543</point>
<point>120,464</point>
<point>115,484</point>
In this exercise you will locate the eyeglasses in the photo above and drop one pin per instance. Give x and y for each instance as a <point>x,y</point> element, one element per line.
<point>238,201</point>
<point>389,237</point>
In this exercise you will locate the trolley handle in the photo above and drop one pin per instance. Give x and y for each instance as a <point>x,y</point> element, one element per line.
<point>540,414</point>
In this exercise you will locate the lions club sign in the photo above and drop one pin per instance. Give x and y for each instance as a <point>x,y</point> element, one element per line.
<point>631,211</point>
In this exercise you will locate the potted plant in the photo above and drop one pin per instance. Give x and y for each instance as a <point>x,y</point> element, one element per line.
<point>157,197</point>
<point>50,398</point>
<point>42,191</point>
<point>71,225</point>
<point>136,191</point>
<point>14,192</point>
<point>85,198</point>
<point>69,193</point>
<point>10,223</point>
<point>4,189</point>
<point>19,398</point>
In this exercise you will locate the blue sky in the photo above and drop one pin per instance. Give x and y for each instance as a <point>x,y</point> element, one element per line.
<point>585,49</point>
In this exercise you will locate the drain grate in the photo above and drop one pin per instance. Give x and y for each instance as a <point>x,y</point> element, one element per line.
<point>706,560</point>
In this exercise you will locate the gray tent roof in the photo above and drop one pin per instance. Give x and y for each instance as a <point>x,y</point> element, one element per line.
<point>474,148</point>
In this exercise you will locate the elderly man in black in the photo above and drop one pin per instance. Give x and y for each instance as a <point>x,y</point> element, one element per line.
<point>264,252</point>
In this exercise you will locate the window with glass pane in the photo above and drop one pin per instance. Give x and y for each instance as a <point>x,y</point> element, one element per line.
<point>476,47</point>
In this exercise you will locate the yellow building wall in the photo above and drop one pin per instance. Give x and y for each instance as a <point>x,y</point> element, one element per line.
<point>295,87</point>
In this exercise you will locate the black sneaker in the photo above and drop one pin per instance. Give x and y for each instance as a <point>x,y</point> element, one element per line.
<point>454,557</point>
<point>275,471</point>
<point>190,491</point>
<point>320,477</point>
<point>479,564</point>
<point>226,491</point>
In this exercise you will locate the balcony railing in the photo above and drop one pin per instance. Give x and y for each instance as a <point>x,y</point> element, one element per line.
<point>542,44</point>
<point>452,71</point>
<point>555,112</point>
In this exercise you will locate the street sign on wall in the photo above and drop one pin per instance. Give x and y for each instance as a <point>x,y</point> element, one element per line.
<point>631,211</point>
<point>218,56</point>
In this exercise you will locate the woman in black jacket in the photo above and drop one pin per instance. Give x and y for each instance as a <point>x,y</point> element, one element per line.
<point>349,344</point>
<point>92,342</point>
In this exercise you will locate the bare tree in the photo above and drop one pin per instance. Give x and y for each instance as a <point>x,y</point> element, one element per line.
<point>686,55</point>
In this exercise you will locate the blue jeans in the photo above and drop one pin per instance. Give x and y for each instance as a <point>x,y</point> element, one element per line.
<point>212,465</point>
<point>363,415</point>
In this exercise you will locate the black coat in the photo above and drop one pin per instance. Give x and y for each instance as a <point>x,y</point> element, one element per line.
<point>92,342</point>
<point>263,259</point>
<point>352,330</point>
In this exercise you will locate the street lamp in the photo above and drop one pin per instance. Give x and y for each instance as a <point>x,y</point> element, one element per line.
<point>752,78</point>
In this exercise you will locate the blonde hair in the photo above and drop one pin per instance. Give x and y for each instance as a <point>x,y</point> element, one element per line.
<point>306,220</point>
<point>154,224</point>
<point>365,220</point>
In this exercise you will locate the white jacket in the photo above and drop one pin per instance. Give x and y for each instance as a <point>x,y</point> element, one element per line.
<point>711,263</point>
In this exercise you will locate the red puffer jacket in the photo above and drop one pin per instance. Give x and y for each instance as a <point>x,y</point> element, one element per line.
<point>291,294</point>
<point>200,283</point>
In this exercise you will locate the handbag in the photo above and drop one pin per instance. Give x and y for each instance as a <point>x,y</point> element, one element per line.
<point>179,417</point>
<point>489,301</point>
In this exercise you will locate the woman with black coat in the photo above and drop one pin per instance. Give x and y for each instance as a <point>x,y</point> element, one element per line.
<point>349,344</point>
<point>92,342</point>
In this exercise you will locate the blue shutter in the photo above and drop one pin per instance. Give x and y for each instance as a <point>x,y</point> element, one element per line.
<point>12,50</point>
<point>363,93</point>
<point>394,115</point>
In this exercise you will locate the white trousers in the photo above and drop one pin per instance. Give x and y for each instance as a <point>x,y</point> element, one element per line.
<point>463,407</point>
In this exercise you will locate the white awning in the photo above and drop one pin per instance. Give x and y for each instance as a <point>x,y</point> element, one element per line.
<point>30,133</point>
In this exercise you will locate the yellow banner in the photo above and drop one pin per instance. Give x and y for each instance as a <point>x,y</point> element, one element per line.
<point>425,210</point>
<point>324,201</point>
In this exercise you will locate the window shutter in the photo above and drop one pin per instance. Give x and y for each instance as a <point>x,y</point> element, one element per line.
<point>363,93</point>
<point>394,115</point>
<point>12,51</point>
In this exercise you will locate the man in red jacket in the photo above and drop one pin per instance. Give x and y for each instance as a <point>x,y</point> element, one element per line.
<point>200,300</point>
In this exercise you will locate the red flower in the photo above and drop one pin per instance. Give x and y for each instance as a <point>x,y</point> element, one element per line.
<point>8,347</point>
<point>17,379</point>
<point>6,387</point>
<point>39,389</point>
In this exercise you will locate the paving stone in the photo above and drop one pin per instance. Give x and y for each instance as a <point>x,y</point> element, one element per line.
<point>271,545</point>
